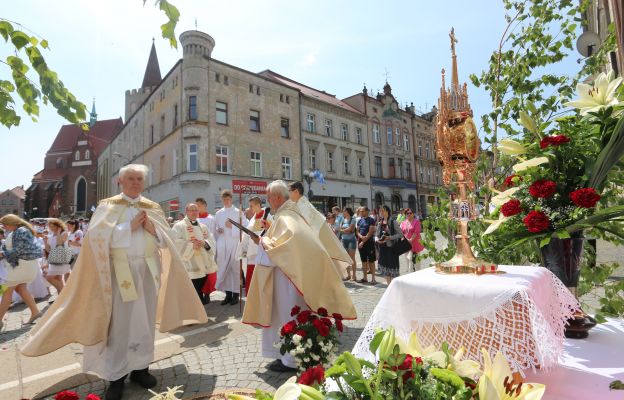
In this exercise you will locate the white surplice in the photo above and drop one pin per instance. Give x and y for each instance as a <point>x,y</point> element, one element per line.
<point>227,242</point>
<point>131,334</point>
<point>285,297</point>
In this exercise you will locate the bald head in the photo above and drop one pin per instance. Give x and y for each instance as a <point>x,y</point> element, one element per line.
<point>192,211</point>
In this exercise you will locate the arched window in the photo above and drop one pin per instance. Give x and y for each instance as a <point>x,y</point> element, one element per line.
<point>77,155</point>
<point>397,204</point>
<point>80,194</point>
<point>87,155</point>
<point>379,200</point>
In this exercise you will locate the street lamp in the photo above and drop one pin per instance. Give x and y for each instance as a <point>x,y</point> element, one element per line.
<point>309,177</point>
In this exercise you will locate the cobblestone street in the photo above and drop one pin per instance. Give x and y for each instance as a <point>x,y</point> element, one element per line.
<point>221,354</point>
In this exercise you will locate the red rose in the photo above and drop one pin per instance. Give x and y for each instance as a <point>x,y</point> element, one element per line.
<point>542,188</point>
<point>555,140</point>
<point>301,333</point>
<point>339,325</point>
<point>295,310</point>
<point>67,395</point>
<point>337,316</point>
<point>304,316</point>
<point>418,360</point>
<point>586,197</point>
<point>322,312</point>
<point>536,221</point>
<point>407,363</point>
<point>92,397</point>
<point>288,328</point>
<point>327,322</point>
<point>321,328</point>
<point>312,376</point>
<point>509,181</point>
<point>511,208</point>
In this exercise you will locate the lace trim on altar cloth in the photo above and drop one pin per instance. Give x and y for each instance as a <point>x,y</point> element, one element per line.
<point>529,335</point>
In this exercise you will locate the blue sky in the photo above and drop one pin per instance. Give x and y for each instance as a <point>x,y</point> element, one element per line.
<point>100,49</point>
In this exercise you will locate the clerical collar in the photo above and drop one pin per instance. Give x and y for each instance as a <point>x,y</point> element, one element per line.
<point>194,223</point>
<point>130,199</point>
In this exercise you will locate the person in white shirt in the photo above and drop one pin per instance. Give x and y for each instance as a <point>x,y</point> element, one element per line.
<point>260,221</point>
<point>204,217</point>
<point>227,236</point>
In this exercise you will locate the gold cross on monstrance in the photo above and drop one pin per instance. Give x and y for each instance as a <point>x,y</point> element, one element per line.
<point>453,40</point>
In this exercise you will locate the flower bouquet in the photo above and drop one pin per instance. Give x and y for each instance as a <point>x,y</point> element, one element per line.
<point>70,395</point>
<point>311,338</point>
<point>406,370</point>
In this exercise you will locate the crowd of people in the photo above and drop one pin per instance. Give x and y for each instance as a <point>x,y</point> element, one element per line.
<point>134,268</point>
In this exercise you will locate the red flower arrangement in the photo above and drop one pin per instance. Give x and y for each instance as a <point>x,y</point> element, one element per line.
<point>543,188</point>
<point>69,395</point>
<point>554,140</point>
<point>509,181</point>
<point>511,208</point>
<point>536,221</point>
<point>586,197</point>
<point>312,376</point>
<point>311,338</point>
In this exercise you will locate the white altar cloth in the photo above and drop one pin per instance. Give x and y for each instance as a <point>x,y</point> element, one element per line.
<point>587,366</point>
<point>521,312</point>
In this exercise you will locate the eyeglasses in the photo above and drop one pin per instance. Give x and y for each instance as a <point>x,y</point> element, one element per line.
<point>409,212</point>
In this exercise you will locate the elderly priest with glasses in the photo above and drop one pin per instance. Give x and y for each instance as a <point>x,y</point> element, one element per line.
<point>128,277</point>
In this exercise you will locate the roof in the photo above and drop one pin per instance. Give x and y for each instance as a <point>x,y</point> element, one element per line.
<point>19,192</point>
<point>308,91</point>
<point>100,135</point>
<point>152,71</point>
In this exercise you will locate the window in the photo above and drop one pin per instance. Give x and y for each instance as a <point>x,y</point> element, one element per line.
<point>360,166</point>
<point>285,127</point>
<point>222,159</point>
<point>437,175</point>
<point>60,163</point>
<point>151,141</point>
<point>175,116</point>
<point>258,90</point>
<point>222,113</point>
<point>391,171</point>
<point>162,126</point>
<point>397,132</point>
<point>287,99</point>
<point>429,175</point>
<point>256,164</point>
<point>87,155</point>
<point>406,144</point>
<point>191,163</point>
<point>161,168</point>
<point>77,155</point>
<point>217,77</point>
<point>286,168</point>
<point>311,123</point>
<point>419,148</point>
<point>389,135</point>
<point>312,158</point>
<point>281,98</point>
<point>250,88</point>
<point>226,80</point>
<point>358,135</point>
<point>192,100</point>
<point>376,138</point>
<point>400,168</point>
<point>174,163</point>
<point>344,132</point>
<point>254,120</point>
<point>422,171</point>
<point>330,161</point>
<point>345,160</point>
<point>408,171</point>
<point>329,128</point>
<point>378,172</point>
<point>427,150</point>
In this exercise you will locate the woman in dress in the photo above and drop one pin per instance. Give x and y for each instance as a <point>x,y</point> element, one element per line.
<point>411,231</point>
<point>386,235</point>
<point>347,231</point>
<point>19,252</point>
<point>58,238</point>
<point>74,239</point>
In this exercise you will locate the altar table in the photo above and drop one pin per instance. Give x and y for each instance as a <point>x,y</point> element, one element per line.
<point>520,311</point>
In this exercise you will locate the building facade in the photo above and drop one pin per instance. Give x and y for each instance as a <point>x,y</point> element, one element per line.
<point>203,125</point>
<point>12,201</point>
<point>598,16</point>
<point>428,169</point>
<point>335,143</point>
<point>66,186</point>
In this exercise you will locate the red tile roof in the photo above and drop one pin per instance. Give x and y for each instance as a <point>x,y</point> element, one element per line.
<point>19,192</point>
<point>100,135</point>
<point>308,91</point>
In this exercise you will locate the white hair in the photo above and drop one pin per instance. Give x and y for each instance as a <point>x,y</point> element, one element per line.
<point>278,187</point>
<point>143,169</point>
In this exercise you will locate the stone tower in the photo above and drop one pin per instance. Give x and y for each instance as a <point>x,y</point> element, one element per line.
<point>151,79</point>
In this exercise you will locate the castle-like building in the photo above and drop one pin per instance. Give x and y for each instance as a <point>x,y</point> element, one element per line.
<point>206,123</point>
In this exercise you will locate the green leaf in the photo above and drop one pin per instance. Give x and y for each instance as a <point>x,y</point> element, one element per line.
<point>374,344</point>
<point>609,156</point>
<point>563,234</point>
<point>19,39</point>
<point>528,122</point>
<point>5,29</point>
<point>545,241</point>
<point>44,44</point>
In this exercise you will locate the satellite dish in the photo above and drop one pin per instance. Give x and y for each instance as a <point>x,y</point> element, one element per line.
<point>588,43</point>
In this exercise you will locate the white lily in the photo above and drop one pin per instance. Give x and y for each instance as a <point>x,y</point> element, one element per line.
<point>511,147</point>
<point>533,162</point>
<point>415,349</point>
<point>503,197</point>
<point>464,368</point>
<point>495,224</point>
<point>492,385</point>
<point>597,96</point>
<point>290,390</point>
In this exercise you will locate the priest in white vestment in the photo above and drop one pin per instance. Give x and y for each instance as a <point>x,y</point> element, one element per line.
<point>292,269</point>
<point>120,289</point>
<point>228,238</point>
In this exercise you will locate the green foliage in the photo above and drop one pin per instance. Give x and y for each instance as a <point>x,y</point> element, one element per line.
<point>173,16</point>
<point>438,220</point>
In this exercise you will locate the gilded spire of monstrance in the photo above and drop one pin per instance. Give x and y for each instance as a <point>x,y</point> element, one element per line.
<point>455,78</point>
